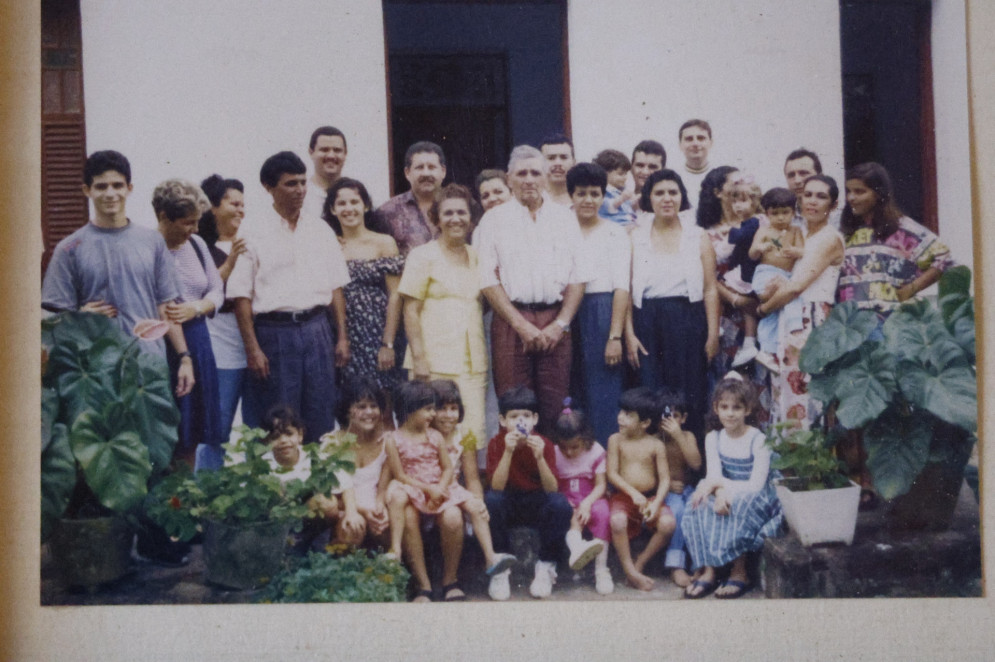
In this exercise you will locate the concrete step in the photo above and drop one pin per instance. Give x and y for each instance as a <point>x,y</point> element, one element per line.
<point>882,563</point>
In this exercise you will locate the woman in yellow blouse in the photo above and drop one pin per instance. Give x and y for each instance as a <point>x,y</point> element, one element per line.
<point>443,317</point>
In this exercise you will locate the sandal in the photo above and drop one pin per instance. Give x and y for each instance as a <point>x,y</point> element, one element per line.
<point>868,499</point>
<point>706,588</point>
<point>425,593</point>
<point>447,592</point>
<point>741,588</point>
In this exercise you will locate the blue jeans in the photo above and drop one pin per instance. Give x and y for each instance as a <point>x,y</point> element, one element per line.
<point>676,556</point>
<point>547,512</point>
<point>596,385</point>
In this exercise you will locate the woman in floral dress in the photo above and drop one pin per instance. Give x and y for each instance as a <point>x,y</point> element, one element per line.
<point>715,214</point>
<point>889,259</point>
<point>373,306</point>
<point>813,280</point>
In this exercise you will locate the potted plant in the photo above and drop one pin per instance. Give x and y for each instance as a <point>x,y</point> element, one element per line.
<point>108,427</point>
<point>912,390</point>
<point>245,510</point>
<point>819,501</point>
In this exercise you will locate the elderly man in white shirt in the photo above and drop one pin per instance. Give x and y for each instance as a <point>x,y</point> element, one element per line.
<point>532,275</point>
<point>292,271</point>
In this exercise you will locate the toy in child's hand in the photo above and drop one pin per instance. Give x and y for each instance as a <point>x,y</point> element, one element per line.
<point>524,427</point>
<point>667,412</point>
<point>776,242</point>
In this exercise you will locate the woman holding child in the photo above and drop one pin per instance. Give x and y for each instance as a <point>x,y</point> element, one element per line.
<point>673,331</point>
<point>813,281</point>
<point>716,214</point>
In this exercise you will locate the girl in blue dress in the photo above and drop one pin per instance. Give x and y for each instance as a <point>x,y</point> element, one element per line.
<point>735,506</point>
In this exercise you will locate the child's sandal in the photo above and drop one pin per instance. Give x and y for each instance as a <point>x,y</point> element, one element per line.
<point>449,589</point>
<point>423,593</point>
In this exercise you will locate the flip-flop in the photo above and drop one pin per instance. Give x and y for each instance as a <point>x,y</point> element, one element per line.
<point>741,588</point>
<point>449,588</point>
<point>423,593</point>
<point>706,589</point>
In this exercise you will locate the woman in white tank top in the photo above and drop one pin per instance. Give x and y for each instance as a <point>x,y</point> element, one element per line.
<point>813,280</point>
<point>672,332</point>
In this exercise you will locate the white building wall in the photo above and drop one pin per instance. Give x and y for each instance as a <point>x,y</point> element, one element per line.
<point>953,173</point>
<point>189,87</point>
<point>764,73</point>
<point>186,88</point>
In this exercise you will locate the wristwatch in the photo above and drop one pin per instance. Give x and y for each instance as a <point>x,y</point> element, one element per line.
<point>388,345</point>
<point>564,326</point>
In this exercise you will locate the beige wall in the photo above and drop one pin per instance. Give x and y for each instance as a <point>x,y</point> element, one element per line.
<point>163,87</point>
<point>765,74</point>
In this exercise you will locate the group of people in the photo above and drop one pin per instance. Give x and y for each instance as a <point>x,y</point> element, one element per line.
<point>607,282</point>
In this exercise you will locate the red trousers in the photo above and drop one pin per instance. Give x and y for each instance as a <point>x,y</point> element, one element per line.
<point>546,373</point>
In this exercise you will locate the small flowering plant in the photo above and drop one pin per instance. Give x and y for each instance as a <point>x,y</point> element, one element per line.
<point>339,576</point>
<point>247,490</point>
<point>108,417</point>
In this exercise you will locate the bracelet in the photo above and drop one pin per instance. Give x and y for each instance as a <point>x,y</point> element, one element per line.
<point>184,355</point>
<point>388,345</point>
<point>610,338</point>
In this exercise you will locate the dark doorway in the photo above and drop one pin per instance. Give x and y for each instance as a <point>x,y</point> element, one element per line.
<point>888,98</point>
<point>475,77</point>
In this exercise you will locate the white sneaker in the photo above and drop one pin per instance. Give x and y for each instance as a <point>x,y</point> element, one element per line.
<point>745,354</point>
<point>584,553</point>
<point>603,583</point>
<point>500,587</point>
<point>545,577</point>
<point>769,361</point>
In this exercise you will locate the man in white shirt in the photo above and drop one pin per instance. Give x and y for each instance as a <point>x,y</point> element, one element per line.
<point>531,273</point>
<point>328,152</point>
<point>559,154</point>
<point>292,271</point>
<point>695,139</point>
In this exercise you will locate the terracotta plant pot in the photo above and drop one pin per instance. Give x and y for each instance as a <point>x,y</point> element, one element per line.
<point>92,551</point>
<point>820,516</point>
<point>243,557</point>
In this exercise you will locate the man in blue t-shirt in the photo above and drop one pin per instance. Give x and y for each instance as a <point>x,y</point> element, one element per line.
<point>112,267</point>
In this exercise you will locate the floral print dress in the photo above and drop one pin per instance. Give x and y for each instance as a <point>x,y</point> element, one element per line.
<point>874,269</point>
<point>366,315</point>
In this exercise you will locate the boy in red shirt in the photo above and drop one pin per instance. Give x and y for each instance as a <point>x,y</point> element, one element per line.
<point>521,468</point>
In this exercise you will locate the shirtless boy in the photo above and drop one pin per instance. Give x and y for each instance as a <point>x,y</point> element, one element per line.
<point>637,469</point>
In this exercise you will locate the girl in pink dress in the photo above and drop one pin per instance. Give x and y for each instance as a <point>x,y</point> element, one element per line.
<point>422,484</point>
<point>580,472</point>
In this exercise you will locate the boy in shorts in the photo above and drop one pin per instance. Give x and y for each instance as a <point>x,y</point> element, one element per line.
<point>637,469</point>
<point>683,459</point>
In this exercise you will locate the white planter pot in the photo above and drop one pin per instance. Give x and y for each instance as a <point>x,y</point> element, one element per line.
<point>820,516</point>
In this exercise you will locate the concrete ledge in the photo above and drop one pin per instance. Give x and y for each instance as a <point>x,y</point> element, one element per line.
<point>881,563</point>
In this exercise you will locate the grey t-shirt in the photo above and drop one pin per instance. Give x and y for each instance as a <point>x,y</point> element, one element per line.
<point>128,267</point>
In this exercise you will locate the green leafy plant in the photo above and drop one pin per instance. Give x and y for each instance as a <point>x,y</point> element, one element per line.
<point>359,576</point>
<point>247,490</point>
<point>914,393</point>
<point>108,418</point>
<point>806,458</point>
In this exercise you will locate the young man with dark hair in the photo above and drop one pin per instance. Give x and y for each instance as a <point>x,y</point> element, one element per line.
<point>291,273</point>
<point>405,216</point>
<point>695,137</point>
<point>559,154</point>
<point>112,267</point>
<point>327,149</point>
